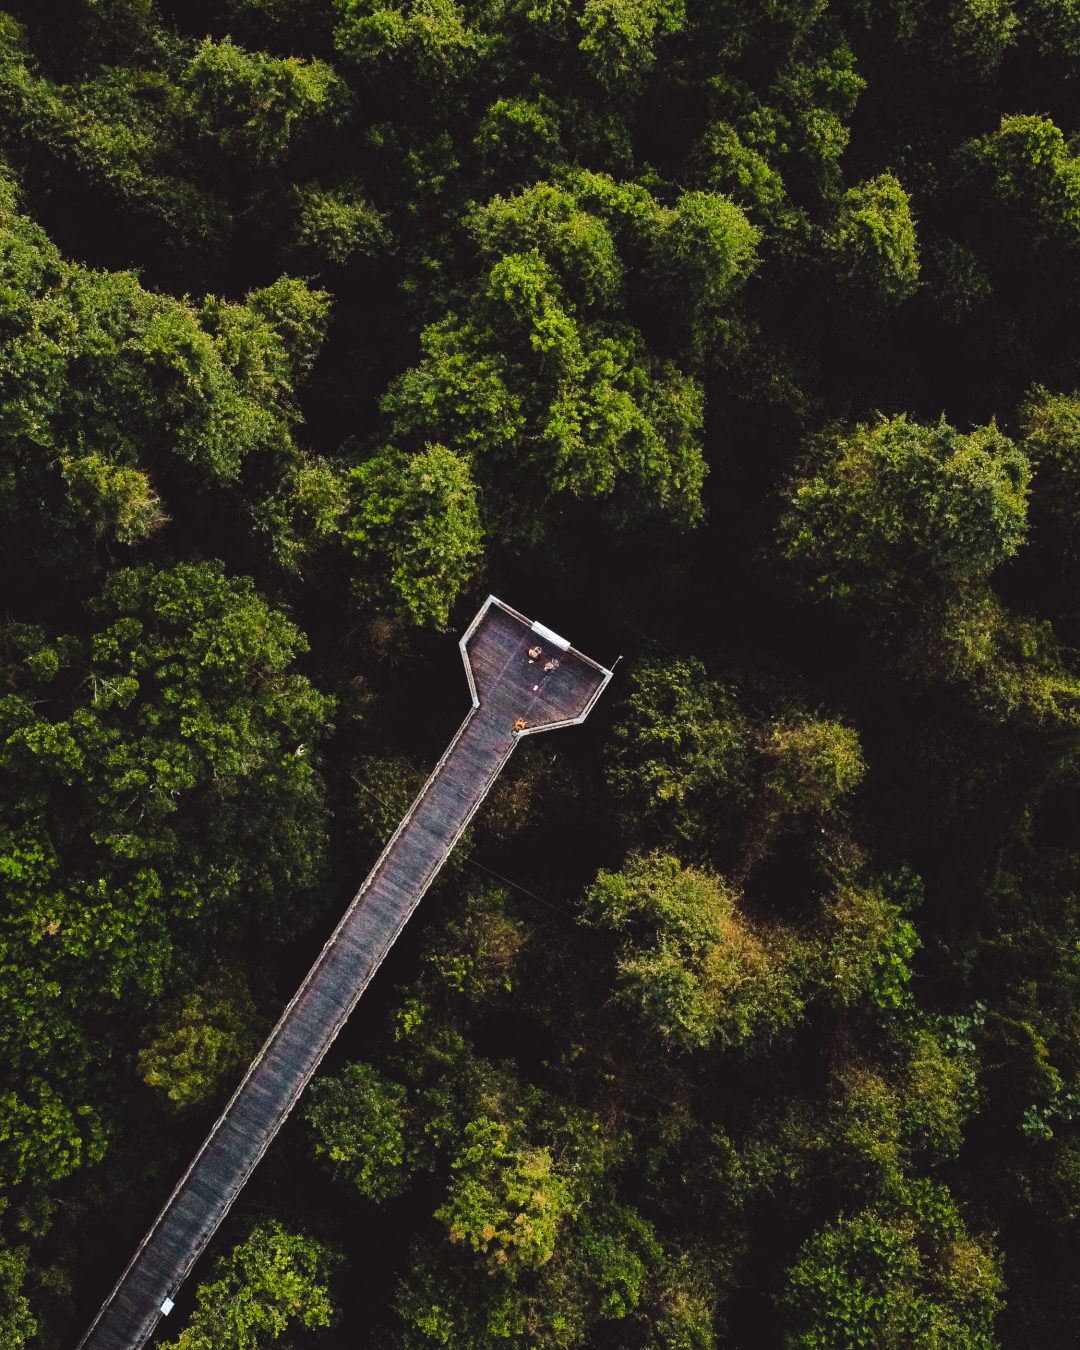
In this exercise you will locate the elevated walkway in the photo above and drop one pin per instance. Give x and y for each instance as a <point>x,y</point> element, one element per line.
<point>516,691</point>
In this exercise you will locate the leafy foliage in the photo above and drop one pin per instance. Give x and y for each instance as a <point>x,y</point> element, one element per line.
<point>273,1282</point>
<point>897,511</point>
<point>873,1280</point>
<point>209,1034</point>
<point>682,742</point>
<point>166,792</point>
<point>416,521</point>
<point>743,337</point>
<point>697,971</point>
<point>358,1123</point>
<point>874,241</point>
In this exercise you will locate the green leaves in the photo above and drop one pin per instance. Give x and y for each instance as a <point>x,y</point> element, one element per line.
<point>601,271</point>
<point>178,739</point>
<point>912,1277</point>
<point>201,1041</point>
<point>705,249</point>
<point>547,221</point>
<point>541,359</point>
<point>1027,169</point>
<point>816,762</point>
<point>42,1138</point>
<point>272,1283</point>
<point>254,106</point>
<point>334,225</point>
<point>415,525</point>
<point>597,419</point>
<point>504,1201</point>
<point>904,525</point>
<point>430,38</point>
<point>111,390</point>
<point>358,1124</point>
<point>682,742</point>
<point>870,943</point>
<point>17,1324</point>
<point>620,37</point>
<point>874,244</point>
<point>1051,439</point>
<point>697,971</point>
<point>892,513</point>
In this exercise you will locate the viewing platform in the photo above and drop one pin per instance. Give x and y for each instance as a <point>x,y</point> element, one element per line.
<point>524,679</point>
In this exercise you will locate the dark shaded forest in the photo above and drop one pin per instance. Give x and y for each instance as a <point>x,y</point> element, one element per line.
<point>740,339</point>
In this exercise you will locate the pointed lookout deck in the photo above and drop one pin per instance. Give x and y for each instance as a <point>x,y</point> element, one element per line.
<point>513,694</point>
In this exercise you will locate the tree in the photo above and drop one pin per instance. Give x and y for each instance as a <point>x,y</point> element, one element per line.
<point>477,953</point>
<point>538,371</point>
<point>373,300</point>
<point>123,407</point>
<point>874,242</point>
<point>272,1283</point>
<point>600,420</point>
<point>1055,27</point>
<point>43,1137</point>
<point>430,38</point>
<point>1051,440</point>
<point>913,1277</point>
<point>889,516</point>
<point>253,106</point>
<point>961,40</point>
<point>706,248</point>
<point>167,797</point>
<point>813,762</point>
<point>505,1202</point>
<point>620,37</point>
<point>335,224</point>
<point>201,1040</point>
<point>17,1324</point>
<point>520,130</point>
<point>689,963</point>
<point>870,942</point>
<point>1026,171</point>
<point>682,741</point>
<point>415,524</point>
<point>549,221</point>
<point>117,124</point>
<point>358,1124</point>
<point>940,1091</point>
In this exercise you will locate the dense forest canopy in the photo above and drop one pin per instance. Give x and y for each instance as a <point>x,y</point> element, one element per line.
<point>740,338</point>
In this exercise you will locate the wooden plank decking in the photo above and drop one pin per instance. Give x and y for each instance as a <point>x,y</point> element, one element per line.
<point>507,687</point>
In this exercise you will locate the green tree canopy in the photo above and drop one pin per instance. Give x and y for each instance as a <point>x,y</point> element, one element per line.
<point>168,795</point>
<point>870,942</point>
<point>682,741</point>
<point>275,1282</point>
<point>17,1324</point>
<point>254,106</point>
<point>874,242</point>
<point>415,528</point>
<point>358,1126</point>
<point>123,406</point>
<point>200,1041</point>
<point>887,515</point>
<point>735,338</point>
<point>693,967</point>
<point>915,1277</point>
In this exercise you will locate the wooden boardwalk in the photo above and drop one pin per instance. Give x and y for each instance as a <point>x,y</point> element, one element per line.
<point>508,689</point>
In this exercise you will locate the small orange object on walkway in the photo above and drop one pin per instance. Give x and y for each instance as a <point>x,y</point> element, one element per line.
<point>520,724</point>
